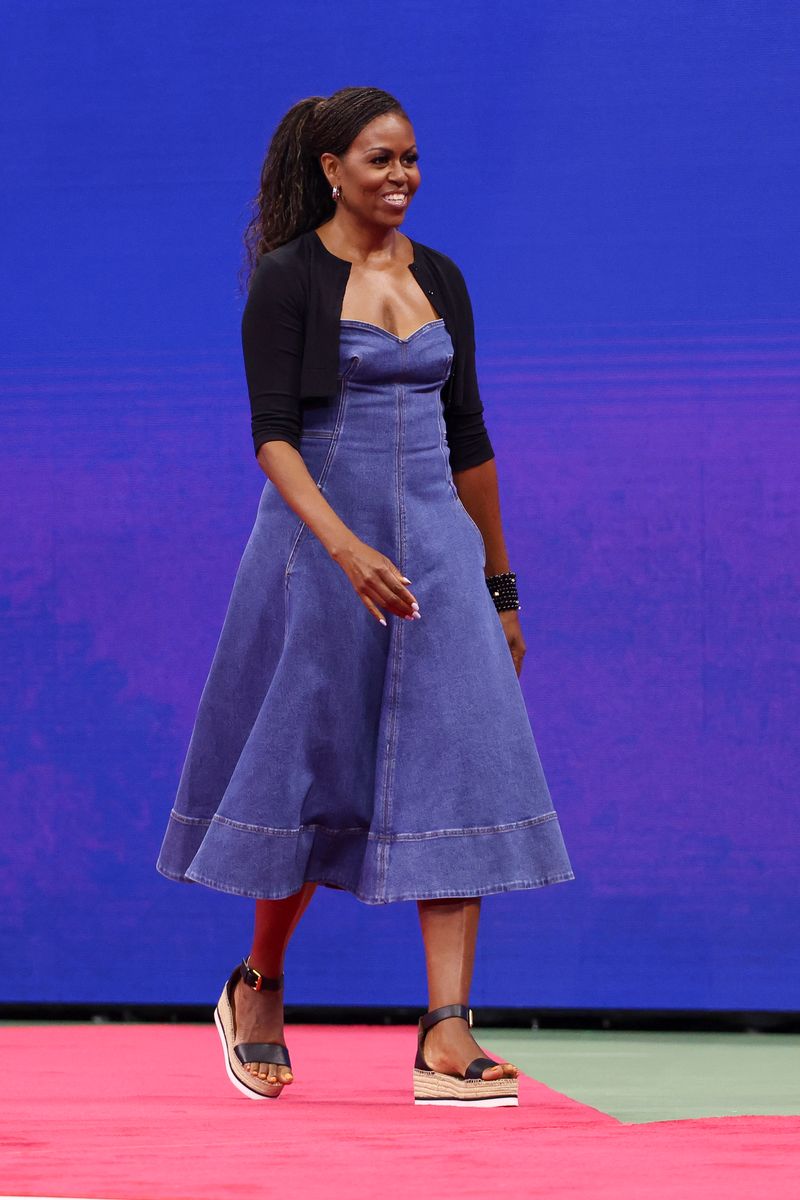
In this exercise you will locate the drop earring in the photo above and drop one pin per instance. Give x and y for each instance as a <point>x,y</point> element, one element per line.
<point>336,191</point>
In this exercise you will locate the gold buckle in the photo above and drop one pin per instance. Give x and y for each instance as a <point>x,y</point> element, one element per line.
<point>470,1018</point>
<point>257,985</point>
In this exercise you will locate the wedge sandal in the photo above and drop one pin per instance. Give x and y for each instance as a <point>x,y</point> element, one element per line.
<point>436,1087</point>
<point>236,1055</point>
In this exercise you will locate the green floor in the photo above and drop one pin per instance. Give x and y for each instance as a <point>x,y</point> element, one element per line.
<point>639,1077</point>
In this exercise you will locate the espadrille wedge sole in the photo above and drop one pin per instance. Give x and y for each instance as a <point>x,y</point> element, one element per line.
<point>237,1055</point>
<point>436,1087</point>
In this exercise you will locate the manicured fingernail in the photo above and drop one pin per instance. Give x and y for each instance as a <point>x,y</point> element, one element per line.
<point>382,621</point>
<point>416,616</point>
<point>405,579</point>
<point>414,605</point>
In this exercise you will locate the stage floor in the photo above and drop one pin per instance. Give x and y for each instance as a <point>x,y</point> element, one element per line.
<point>145,1112</point>
<point>638,1076</point>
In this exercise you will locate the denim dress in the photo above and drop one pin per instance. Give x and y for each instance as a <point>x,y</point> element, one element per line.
<point>396,762</point>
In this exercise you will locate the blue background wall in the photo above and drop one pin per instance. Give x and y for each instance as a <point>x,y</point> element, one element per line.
<point>618,183</point>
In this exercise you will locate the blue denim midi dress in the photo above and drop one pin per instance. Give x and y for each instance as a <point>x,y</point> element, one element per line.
<point>396,762</point>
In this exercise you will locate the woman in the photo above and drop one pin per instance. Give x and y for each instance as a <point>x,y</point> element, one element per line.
<point>382,747</point>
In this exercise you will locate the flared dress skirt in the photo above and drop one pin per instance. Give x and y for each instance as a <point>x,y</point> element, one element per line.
<point>396,762</point>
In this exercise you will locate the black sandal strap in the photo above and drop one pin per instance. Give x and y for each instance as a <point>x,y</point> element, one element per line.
<point>478,1066</point>
<point>429,1019</point>
<point>266,1052</point>
<point>256,980</point>
<point>441,1014</point>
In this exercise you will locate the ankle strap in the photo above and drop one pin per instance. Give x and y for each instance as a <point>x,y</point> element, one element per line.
<point>256,980</point>
<point>441,1014</point>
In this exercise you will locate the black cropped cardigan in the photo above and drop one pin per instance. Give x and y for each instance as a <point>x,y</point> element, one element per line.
<point>290,340</point>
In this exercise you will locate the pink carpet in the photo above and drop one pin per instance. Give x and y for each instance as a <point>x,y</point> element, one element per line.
<point>146,1112</point>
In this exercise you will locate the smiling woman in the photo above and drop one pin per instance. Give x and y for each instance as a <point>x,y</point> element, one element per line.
<point>392,759</point>
<point>398,197</point>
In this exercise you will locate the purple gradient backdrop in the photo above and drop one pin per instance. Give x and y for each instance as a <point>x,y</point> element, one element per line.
<point>619,186</point>
<point>648,485</point>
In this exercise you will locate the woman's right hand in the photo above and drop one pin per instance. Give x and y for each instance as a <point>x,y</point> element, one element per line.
<point>376,580</point>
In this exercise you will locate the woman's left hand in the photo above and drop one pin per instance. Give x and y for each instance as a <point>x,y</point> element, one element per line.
<point>513,631</point>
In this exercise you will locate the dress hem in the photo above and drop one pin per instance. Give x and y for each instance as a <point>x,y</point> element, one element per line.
<point>247,860</point>
<point>370,835</point>
<point>450,894</point>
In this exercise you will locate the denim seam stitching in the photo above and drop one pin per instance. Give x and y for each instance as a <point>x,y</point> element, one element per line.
<point>443,443</point>
<point>443,446</point>
<point>341,404</point>
<point>382,864</point>
<point>481,542</point>
<point>177,816</point>
<point>388,332</point>
<point>400,626</point>
<point>469,831</point>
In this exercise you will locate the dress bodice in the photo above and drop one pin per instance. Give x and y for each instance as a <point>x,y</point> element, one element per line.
<point>369,354</point>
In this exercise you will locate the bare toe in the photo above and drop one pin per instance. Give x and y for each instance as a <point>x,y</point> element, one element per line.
<point>501,1071</point>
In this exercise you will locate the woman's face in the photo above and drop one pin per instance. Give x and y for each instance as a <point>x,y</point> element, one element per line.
<point>379,173</point>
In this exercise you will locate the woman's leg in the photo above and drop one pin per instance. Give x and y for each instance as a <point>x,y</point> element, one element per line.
<point>259,1015</point>
<point>450,931</point>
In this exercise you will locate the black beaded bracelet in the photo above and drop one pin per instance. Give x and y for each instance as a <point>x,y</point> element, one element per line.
<point>503,590</point>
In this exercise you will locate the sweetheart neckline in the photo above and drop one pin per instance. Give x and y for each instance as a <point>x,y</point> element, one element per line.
<point>388,332</point>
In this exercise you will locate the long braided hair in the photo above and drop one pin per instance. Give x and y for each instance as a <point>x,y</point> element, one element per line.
<point>294,195</point>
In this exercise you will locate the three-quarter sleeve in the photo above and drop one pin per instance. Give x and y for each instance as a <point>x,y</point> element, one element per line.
<point>272,344</point>
<point>467,437</point>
